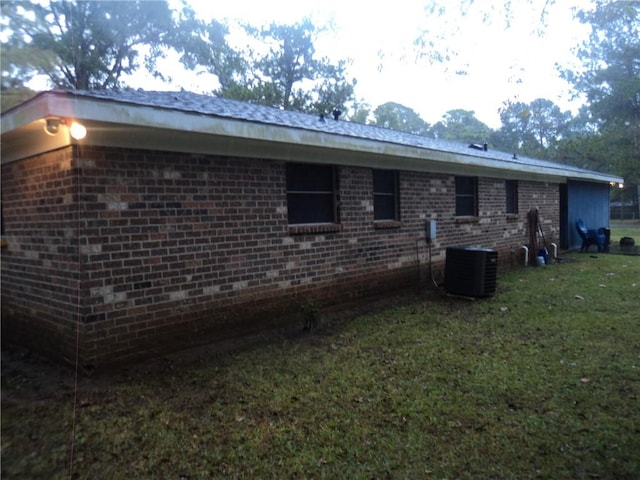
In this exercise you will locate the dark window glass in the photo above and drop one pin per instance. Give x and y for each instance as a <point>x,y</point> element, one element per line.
<point>309,178</point>
<point>511,187</point>
<point>385,195</point>
<point>466,196</point>
<point>311,194</point>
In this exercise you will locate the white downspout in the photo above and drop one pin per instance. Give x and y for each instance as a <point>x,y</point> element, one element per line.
<point>526,254</point>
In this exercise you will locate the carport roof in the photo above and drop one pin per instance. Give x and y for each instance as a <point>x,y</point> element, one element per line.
<point>136,113</point>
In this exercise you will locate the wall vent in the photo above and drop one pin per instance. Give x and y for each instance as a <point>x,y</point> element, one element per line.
<point>471,271</point>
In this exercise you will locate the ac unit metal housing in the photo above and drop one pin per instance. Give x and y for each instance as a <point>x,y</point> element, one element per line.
<point>471,271</point>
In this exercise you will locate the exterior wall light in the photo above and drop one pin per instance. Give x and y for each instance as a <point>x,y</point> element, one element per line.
<point>77,131</point>
<point>621,185</point>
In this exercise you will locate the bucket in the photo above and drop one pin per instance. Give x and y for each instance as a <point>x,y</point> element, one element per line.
<point>544,254</point>
<point>540,261</point>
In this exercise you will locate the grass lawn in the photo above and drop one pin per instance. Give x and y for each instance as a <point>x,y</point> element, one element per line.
<point>540,381</point>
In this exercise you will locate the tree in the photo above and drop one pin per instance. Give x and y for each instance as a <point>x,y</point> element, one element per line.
<point>398,117</point>
<point>462,126</point>
<point>361,112</point>
<point>532,129</point>
<point>609,79</point>
<point>514,134</point>
<point>91,45</point>
<point>289,75</point>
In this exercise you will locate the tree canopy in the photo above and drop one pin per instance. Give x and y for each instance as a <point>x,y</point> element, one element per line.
<point>462,126</point>
<point>91,45</point>
<point>399,117</point>
<point>290,74</point>
<point>534,128</point>
<point>609,79</point>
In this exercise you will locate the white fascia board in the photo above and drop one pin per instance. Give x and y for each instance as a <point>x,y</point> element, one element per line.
<point>285,141</point>
<point>122,124</point>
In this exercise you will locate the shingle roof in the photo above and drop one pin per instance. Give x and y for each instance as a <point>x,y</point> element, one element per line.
<point>215,107</point>
<point>238,110</point>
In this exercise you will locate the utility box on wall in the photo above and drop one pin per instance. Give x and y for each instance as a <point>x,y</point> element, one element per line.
<point>471,271</point>
<point>430,231</point>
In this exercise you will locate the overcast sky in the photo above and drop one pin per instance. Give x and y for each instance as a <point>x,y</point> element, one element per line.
<point>500,61</point>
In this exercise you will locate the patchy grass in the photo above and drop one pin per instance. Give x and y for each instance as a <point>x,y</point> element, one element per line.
<point>626,228</point>
<point>540,381</point>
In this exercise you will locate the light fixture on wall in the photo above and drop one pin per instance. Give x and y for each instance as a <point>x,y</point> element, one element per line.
<point>76,130</point>
<point>52,126</point>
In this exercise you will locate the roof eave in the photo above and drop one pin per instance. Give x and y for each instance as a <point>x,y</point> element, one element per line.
<point>124,124</point>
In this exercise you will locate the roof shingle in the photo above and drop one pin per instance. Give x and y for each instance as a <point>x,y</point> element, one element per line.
<point>233,109</point>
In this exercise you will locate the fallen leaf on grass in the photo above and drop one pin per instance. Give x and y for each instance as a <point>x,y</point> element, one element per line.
<point>585,380</point>
<point>240,418</point>
<point>504,309</point>
<point>602,285</point>
<point>579,297</point>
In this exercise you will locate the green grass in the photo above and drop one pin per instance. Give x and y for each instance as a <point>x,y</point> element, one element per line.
<point>540,381</point>
<point>625,228</point>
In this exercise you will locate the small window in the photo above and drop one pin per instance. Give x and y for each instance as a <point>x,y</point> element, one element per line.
<point>311,194</point>
<point>466,196</point>
<point>385,195</point>
<point>3,241</point>
<point>511,187</point>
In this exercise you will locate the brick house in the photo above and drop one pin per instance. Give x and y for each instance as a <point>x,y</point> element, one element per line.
<point>179,217</point>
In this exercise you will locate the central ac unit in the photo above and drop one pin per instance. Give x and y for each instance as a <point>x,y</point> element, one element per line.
<point>471,271</point>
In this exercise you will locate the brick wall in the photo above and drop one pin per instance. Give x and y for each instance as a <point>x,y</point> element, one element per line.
<point>40,267</point>
<point>173,249</point>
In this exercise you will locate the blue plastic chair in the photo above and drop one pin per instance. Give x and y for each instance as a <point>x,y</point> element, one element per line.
<point>590,236</point>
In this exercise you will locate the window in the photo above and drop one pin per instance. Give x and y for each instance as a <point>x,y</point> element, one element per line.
<point>311,194</point>
<point>511,187</point>
<point>385,195</point>
<point>3,242</point>
<point>466,196</point>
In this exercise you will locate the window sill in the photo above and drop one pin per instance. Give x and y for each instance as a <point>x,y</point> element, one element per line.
<point>467,219</point>
<point>314,228</point>
<point>386,224</point>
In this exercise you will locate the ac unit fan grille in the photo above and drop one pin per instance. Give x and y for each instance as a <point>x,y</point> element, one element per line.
<point>471,271</point>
